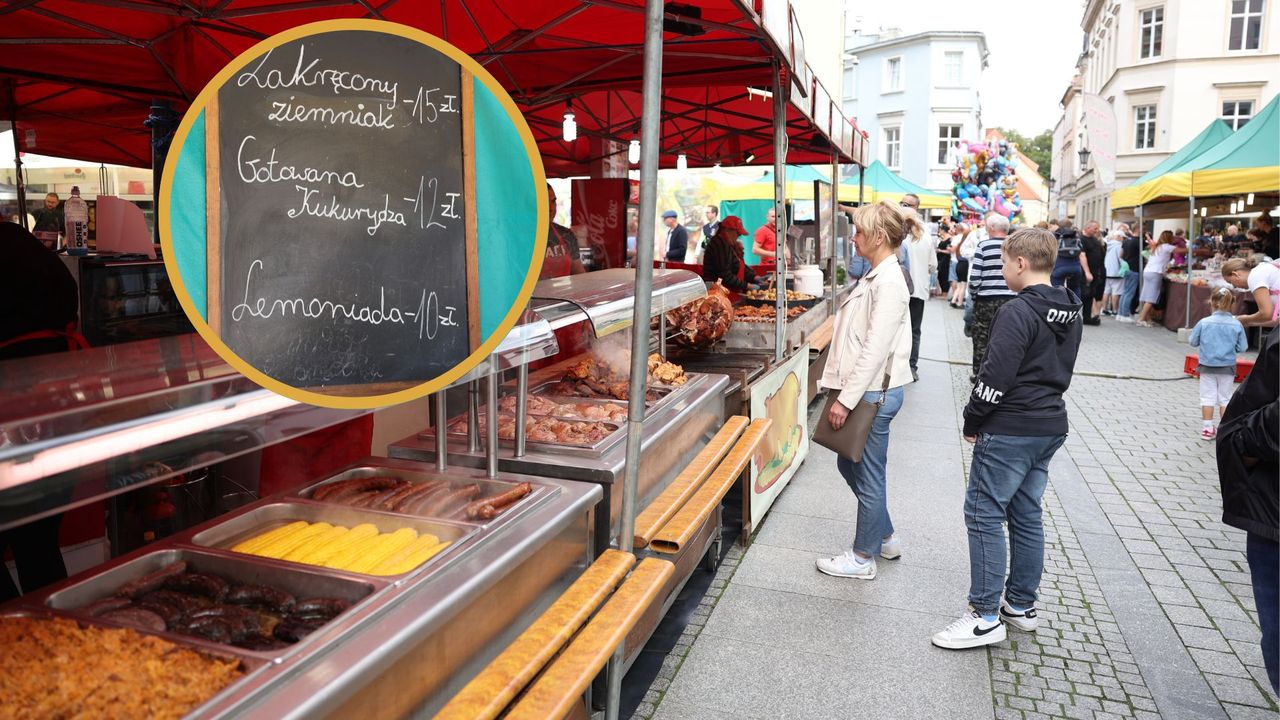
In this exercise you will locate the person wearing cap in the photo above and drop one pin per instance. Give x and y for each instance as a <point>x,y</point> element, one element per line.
<point>724,259</point>
<point>677,237</point>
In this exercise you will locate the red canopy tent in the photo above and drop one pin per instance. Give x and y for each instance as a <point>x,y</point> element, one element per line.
<point>82,73</point>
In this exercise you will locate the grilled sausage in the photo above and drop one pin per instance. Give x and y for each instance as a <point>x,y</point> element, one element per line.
<point>210,586</point>
<point>407,501</point>
<point>294,630</point>
<point>358,486</point>
<point>212,628</point>
<point>453,501</point>
<point>105,605</point>
<point>182,601</point>
<point>261,596</point>
<point>388,499</point>
<point>171,615</point>
<point>152,581</point>
<point>319,608</point>
<point>419,502</point>
<point>487,508</point>
<point>136,617</point>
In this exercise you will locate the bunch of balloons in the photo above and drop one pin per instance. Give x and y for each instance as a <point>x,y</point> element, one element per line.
<point>985,181</point>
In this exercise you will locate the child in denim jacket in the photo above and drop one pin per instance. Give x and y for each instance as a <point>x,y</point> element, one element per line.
<point>1219,337</point>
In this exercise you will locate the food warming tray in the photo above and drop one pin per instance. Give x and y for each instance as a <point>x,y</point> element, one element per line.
<point>291,578</point>
<point>616,433</point>
<point>417,475</point>
<point>269,517</point>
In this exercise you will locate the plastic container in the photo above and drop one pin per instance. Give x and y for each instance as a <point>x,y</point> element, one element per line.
<point>809,280</point>
<point>75,211</point>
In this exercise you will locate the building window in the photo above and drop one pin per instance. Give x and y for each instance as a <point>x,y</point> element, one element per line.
<point>1152,23</point>
<point>948,136</point>
<point>851,83</point>
<point>893,74</point>
<point>1246,24</point>
<point>953,66</point>
<point>892,147</point>
<point>1237,113</point>
<point>1144,127</point>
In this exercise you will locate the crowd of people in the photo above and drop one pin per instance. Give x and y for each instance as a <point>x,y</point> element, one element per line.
<point>1028,292</point>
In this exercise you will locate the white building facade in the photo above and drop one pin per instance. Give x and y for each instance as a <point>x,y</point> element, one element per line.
<point>1166,68</point>
<point>916,96</point>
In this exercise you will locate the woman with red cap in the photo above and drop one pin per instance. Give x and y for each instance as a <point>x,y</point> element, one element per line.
<point>724,257</point>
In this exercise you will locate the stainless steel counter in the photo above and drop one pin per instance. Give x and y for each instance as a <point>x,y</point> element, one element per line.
<point>675,430</point>
<point>408,642</point>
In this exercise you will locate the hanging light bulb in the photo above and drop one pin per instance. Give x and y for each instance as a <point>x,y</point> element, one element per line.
<point>633,152</point>
<point>570,124</point>
<point>1250,199</point>
<point>1233,208</point>
<point>682,162</point>
<point>1204,211</point>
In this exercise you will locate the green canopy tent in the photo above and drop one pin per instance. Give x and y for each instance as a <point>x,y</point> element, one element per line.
<point>751,201</point>
<point>1166,179</point>
<point>884,184</point>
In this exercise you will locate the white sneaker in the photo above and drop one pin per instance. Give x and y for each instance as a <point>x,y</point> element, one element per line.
<point>1024,621</point>
<point>891,549</point>
<point>970,631</point>
<point>848,565</point>
<point>1124,318</point>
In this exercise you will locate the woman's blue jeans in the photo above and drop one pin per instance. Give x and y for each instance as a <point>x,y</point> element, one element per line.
<point>868,478</point>
<point>1130,292</point>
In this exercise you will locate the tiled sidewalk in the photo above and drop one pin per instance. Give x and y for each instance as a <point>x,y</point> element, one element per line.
<point>1146,610</point>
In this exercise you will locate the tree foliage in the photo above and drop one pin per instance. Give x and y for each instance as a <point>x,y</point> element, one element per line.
<point>1038,148</point>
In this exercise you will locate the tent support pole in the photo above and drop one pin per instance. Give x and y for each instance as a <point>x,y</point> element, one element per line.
<point>650,127</point>
<point>1142,236</point>
<point>780,211</point>
<point>1191,223</point>
<point>835,205</point>
<point>19,185</point>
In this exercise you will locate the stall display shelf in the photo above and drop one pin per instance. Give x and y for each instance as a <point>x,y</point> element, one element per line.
<point>407,642</point>
<point>605,298</point>
<point>81,426</point>
<point>761,335</point>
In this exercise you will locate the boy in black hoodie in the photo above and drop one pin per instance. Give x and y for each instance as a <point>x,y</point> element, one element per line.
<point>1018,420</point>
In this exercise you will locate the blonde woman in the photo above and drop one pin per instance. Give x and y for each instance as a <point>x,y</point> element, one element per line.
<point>1262,278</point>
<point>872,342</point>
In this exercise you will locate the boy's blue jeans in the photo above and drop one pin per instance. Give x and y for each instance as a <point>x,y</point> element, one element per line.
<point>1006,481</point>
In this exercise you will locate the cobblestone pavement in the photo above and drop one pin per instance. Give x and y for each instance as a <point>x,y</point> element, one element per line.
<point>1146,607</point>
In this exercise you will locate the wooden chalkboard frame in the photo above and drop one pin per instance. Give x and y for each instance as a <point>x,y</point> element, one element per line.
<point>213,234</point>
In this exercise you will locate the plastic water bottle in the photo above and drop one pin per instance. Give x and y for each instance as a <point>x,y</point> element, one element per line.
<point>76,213</point>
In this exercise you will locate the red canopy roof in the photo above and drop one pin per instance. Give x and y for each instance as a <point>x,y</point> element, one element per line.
<point>83,73</point>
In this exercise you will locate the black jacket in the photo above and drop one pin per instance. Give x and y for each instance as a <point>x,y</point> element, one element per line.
<point>1030,358</point>
<point>1248,433</point>
<point>37,292</point>
<point>679,243</point>
<point>1131,251</point>
<point>1095,251</point>
<point>721,263</point>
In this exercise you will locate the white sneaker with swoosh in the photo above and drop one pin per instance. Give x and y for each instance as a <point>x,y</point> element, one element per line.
<point>970,631</point>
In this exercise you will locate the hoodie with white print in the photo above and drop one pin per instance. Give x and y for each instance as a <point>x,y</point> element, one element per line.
<point>1028,366</point>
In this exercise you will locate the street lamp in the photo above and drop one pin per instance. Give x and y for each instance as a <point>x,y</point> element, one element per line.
<point>1084,157</point>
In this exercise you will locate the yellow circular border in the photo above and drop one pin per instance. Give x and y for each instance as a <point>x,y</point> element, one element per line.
<point>353,402</point>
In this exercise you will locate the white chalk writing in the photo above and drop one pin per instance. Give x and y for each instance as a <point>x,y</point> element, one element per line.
<point>254,170</point>
<point>305,74</point>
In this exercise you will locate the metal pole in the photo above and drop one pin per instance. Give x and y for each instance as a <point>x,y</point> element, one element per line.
<point>19,185</point>
<point>835,203</point>
<point>650,136</point>
<point>473,416</point>
<point>522,405</point>
<point>780,212</point>
<point>1191,223</point>
<point>442,432</point>
<point>491,426</point>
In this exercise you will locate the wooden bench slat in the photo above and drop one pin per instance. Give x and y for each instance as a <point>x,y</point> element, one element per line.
<point>489,692</point>
<point>687,482</point>
<point>553,694</point>
<point>673,536</point>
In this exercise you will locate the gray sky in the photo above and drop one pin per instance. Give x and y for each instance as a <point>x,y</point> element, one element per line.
<point>1033,44</point>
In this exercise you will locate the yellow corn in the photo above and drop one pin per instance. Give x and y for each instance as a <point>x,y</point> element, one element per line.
<point>353,552</point>
<point>424,541</point>
<point>333,534</point>
<point>389,545</point>
<point>280,548</point>
<point>319,553</point>
<point>415,560</point>
<point>257,542</point>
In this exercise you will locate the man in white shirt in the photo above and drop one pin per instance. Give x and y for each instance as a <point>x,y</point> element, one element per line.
<point>920,260</point>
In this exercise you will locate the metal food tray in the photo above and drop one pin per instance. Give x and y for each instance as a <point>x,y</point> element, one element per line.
<point>574,400</point>
<point>265,518</point>
<point>288,577</point>
<point>615,435</point>
<point>487,487</point>
<point>660,389</point>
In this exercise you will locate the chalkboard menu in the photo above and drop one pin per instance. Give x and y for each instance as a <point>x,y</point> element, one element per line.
<point>341,238</point>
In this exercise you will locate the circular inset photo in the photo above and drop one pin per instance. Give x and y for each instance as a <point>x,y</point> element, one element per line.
<point>352,213</point>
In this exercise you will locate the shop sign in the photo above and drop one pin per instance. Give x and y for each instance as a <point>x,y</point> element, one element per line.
<point>781,396</point>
